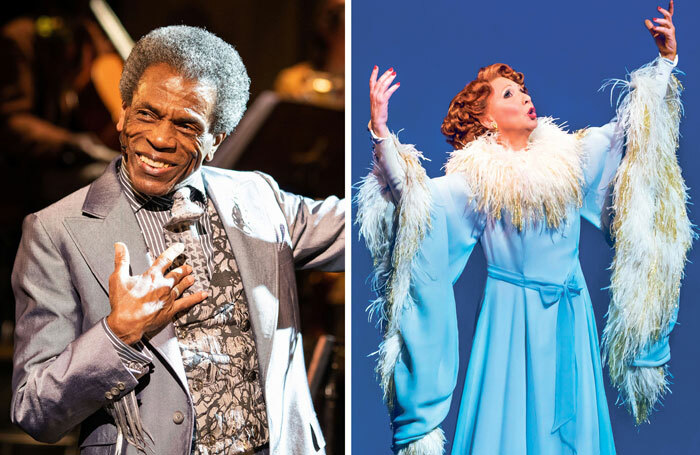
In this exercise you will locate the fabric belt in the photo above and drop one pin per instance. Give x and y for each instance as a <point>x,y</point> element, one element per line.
<point>566,386</point>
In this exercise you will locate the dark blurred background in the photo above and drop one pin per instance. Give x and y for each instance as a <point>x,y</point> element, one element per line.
<point>58,106</point>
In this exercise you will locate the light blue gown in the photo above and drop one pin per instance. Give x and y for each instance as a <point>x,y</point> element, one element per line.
<point>534,383</point>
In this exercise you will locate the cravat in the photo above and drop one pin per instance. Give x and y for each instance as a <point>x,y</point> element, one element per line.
<point>182,227</point>
<point>184,210</point>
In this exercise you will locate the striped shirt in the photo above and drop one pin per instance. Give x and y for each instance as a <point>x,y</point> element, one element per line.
<point>152,213</point>
<point>134,358</point>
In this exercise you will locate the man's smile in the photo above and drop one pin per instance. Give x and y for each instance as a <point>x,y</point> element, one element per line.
<point>153,163</point>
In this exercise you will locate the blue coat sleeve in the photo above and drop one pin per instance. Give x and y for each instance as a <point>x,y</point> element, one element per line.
<point>603,149</point>
<point>426,371</point>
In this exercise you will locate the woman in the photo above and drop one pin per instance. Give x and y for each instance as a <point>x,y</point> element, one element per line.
<point>519,186</point>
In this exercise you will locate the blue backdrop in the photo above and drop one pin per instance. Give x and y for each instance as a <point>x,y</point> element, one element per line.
<point>565,50</point>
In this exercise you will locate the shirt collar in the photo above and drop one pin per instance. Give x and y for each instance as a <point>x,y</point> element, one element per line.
<point>139,200</point>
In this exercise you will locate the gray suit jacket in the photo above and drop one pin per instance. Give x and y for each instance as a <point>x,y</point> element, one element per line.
<point>64,363</point>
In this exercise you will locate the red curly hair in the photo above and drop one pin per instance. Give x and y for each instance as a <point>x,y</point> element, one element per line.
<point>461,124</point>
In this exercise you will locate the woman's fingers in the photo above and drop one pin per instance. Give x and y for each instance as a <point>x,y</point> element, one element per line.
<point>663,30</point>
<point>667,13</point>
<point>650,26</point>
<point>383,84</point>
<point>392,89</point>
<point>373,78</point>
<point>379,86</point>
<point>663,22</point>
<point>384,80</point>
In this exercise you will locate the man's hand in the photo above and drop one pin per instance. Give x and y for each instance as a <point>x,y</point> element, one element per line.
<point>145,303</point>
<point>664,32</point>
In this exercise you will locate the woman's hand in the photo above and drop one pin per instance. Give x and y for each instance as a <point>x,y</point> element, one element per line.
<point>380,90</point>
<point>664,32</point>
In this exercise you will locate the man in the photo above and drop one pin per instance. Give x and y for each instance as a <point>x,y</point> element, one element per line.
<point>200,356</point>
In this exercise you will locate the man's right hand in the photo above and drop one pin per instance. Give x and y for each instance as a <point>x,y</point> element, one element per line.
<point>145,303</point>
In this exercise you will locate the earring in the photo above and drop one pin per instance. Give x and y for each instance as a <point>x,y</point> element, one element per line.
<point>494,126</point>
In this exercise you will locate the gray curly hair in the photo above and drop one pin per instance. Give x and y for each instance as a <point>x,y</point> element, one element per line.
<point>196,54</point>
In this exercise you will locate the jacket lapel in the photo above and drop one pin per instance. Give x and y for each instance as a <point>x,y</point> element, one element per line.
<point>257,258</point>
<point>109,219</point>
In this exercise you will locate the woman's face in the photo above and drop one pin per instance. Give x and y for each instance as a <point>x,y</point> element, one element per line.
<point>511,109</point>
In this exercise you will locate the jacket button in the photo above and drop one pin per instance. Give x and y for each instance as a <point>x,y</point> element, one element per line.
<point>121,386</point>
<point>108,395</point>
<point>178,417</point>
<point>114,391</point>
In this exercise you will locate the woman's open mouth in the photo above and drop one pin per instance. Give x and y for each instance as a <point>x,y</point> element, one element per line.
<point>532,113</point>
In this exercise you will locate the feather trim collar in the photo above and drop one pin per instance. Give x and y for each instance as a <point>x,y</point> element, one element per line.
<point>541,182</point>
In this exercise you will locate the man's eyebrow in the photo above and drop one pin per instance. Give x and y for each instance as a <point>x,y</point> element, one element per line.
<point>192,119</point>
<point>149,106</point>
<point>178,119</point>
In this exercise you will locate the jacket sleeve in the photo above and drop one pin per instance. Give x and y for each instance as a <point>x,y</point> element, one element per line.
<point>61,374</point>
<point>316,228</point>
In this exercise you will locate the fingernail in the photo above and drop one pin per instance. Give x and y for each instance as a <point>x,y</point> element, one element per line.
<point>375,67</point>
<point>398,84</point>
<point>393,73</point>
<point>391,69</point>
<point>205,294</point>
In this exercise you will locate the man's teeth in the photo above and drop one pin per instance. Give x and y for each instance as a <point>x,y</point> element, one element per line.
<point>152,163</point>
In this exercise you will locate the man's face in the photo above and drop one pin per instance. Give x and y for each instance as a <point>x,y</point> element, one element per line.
<point>166,129</point>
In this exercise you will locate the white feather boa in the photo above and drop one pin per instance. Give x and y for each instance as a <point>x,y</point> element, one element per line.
<point>393,238</point>
<point>652,236</point>
<point>541,182</point>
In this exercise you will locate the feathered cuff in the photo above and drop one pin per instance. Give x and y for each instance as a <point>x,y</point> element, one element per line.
<point>432,443</point>
<point>393,233</point>
<point>651,233</point>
